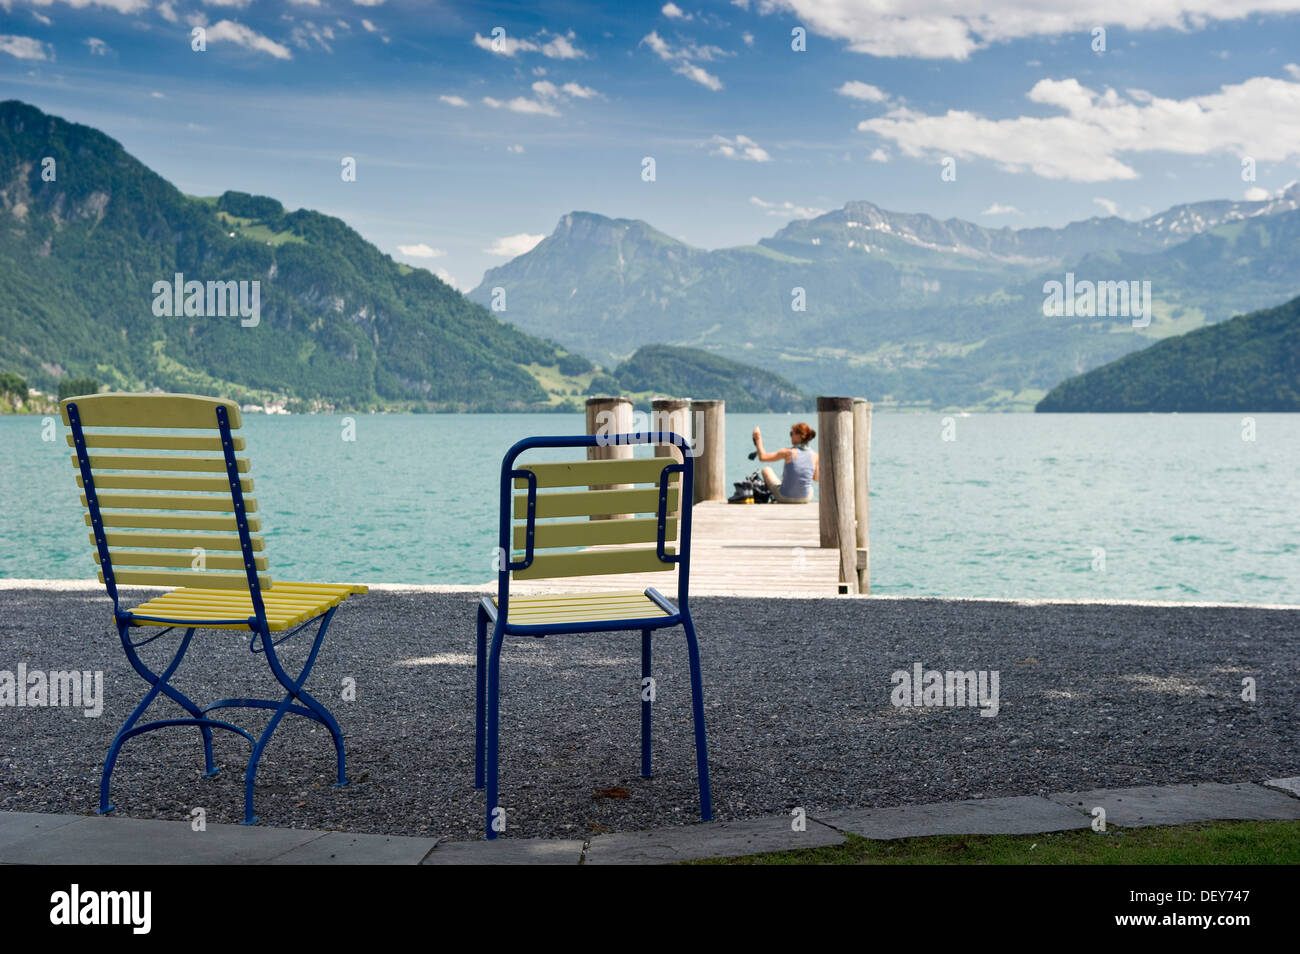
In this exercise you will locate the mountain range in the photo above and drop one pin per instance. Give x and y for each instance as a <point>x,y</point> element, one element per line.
<point>902,308</point>
<point>89,232</point>
<point>906,308</point>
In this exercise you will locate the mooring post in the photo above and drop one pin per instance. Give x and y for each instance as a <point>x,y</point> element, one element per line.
<point>671,414</point>
<point>862,489</point>
<point>607,416</point>
<point>710,449</point>
<point>835,496</point>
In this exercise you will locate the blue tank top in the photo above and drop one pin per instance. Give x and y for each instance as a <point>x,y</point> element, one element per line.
<point>797,476</point>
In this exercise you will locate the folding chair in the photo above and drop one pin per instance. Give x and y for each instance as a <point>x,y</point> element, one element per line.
<point>186,522</point>
<point>645,610</point>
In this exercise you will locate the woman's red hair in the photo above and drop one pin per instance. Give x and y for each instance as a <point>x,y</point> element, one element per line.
<point>803,433</point>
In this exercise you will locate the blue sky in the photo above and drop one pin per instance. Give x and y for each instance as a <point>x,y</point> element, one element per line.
<point>468,152</point>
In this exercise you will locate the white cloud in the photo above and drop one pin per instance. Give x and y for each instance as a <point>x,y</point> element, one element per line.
<point>549,96</point>
<point>447,277</point>
<point>560,47</point>
<point>121,6</point>
<point>369,27</point>
<point>420,251</point>
<point>1259,117</point>
<point>691,51</point>
<point>517,149</point>
<point>514,245</point>
<point>879,155</point>
<point>157,95</point>
<point>237,4</point>
<point>23,47</point>
<point>457,101</point>
<point>681,58</point>
<point>1256,194</point>
<point>505,46</point>
<point>940,29</point>
<point>658,45</point>
<point>97,46</point>
<point>1110,205</point>
<point>248,38</point>
<point>42,19</point>
<point>521,104</point>
<point>742,147</point>
<point>673,12</point>
<point>167,11</point>
<point>1292,70</point>
<point>699,74</point>
<point>997,208</point>
<point>306,3</point>
<point>747,38</point>
<point>302,36</point>
<point>787,209</point>
<point>855,89</point>
<point>369,3</point>
<point>707,52</point>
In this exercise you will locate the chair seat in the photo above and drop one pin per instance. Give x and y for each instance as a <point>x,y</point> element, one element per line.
<point>560,608</point>
<point>287,605</point>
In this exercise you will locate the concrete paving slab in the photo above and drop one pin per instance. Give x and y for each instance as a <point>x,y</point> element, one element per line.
<point>1181,804</point>
<point>707,840</point>
<point>95,840</point>
<point>1288,785</point>
<point>504,851</point>
<point>1021,815</point>
<point>17,826</point>
<point>352,848</point>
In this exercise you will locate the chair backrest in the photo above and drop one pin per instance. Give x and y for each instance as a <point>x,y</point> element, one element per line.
<point>640,524</point>
<point>175,513</point>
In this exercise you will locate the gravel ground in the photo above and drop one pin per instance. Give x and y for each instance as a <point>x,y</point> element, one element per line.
<point>797,696</point>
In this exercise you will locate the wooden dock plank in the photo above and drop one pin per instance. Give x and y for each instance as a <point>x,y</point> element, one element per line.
<point>739,550</point>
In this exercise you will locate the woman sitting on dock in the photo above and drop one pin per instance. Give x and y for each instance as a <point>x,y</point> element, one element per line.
<point>801,466</point>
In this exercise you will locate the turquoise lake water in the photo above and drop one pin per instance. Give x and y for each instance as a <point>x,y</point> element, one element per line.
<point>1017,505</point>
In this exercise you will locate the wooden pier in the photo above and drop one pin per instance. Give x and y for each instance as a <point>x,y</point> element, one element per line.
<point>737,550</point>
<point>810,550</point>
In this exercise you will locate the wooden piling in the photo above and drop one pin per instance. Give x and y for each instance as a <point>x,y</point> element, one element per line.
<point>862,489</point>
<point>607,416</point>
<point>710,450</point>
<point>671,414</point>
<point>836,494</point>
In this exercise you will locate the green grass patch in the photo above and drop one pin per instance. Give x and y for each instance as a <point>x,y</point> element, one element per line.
<point>257,231</point>
<point>1208,843</point>
<point>560,388</point>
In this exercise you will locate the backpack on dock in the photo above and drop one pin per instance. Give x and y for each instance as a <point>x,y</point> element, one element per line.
<point>752,490</point>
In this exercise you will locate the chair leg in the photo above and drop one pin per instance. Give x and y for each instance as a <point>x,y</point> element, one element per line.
<point>646,702</point>
<point>480,690</point>
<point>158,683</point>
<point>294,691</point>
<point>493,726</point>
<point>697,701</point>
<point>182,700</point>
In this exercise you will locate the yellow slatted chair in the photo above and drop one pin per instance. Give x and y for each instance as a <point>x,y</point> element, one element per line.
<point>174,510</point>
<point>639,539</point>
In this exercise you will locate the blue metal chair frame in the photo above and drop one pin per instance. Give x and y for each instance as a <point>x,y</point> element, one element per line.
<point>488,669</point>
<point>257,623</point>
